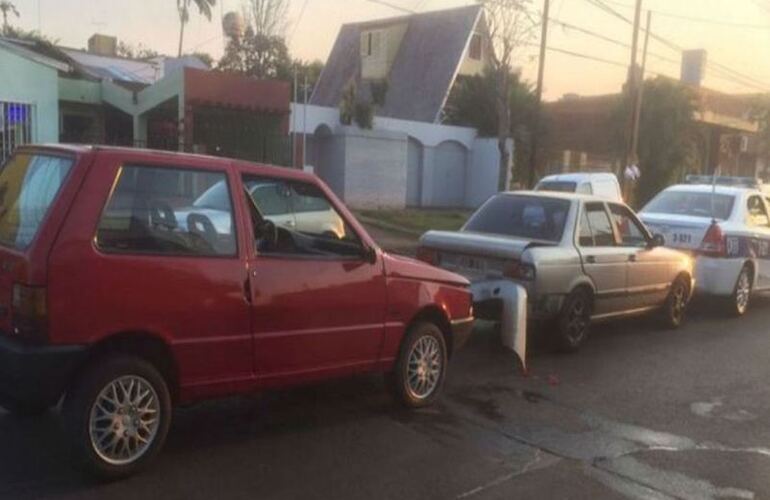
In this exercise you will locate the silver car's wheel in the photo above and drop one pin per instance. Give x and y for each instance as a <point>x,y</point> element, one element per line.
<point>124,420</point>
<point>742,294</point>
<point>574,321</point>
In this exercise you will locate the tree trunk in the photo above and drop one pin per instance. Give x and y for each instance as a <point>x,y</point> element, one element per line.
<point>503,128</point>
<point>181,38</point>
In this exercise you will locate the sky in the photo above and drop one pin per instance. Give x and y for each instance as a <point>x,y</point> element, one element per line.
<point>736,34</point>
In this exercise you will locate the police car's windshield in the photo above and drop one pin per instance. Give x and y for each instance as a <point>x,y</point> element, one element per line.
<point>696,204</point>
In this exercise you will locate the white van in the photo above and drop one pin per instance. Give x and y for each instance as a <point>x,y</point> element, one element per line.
<point>603,185</point>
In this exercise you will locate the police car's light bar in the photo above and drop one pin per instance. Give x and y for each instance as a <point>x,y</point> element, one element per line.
<point>723,180</point>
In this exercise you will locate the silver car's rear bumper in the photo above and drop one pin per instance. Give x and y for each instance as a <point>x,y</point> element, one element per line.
<point>513,314</point>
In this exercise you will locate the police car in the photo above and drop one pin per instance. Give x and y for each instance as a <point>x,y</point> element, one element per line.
<point>724,223</point>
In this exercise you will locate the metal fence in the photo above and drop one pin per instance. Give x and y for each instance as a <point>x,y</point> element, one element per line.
<point>15,126</point>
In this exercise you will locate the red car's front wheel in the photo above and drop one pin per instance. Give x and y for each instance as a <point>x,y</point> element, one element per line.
<point>421,366</point>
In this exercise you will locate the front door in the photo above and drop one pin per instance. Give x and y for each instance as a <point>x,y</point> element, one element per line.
<point>759,222</point>
<point>603,261</point>
<point>318,302</point>
<point>649,270</point>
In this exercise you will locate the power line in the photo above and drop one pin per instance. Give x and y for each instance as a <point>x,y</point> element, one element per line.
<point>737,77</point>
<point>299,20</point>
<point>392,6</point>
<point>696,19</point>
<point>605,38</point>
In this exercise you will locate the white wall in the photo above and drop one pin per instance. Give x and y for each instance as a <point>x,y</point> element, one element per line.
<point>372,165</point>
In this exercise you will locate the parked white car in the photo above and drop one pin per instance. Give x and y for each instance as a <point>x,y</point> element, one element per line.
<point>726,226</point>
<point>602,185</point>
<point>277,202</point>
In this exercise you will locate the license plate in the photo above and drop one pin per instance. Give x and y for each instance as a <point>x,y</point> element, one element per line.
<point>465,264</point>
<point>681,238</point>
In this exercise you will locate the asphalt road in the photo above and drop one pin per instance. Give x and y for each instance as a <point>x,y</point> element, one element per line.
<point>638,413</point>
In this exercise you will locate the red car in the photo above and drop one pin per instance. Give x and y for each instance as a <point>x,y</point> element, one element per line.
<point>131,281</point>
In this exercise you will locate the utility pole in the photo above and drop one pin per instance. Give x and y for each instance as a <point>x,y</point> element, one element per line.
<point>632,83</point>
<point>538,96</point>
<point>304,126</point>
<point>640,91</point>
<point>294,121</point>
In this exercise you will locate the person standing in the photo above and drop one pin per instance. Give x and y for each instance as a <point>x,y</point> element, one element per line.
<point>631,176</point>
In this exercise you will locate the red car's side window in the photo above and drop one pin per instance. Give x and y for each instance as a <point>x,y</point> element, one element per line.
<point>296,218</point>
<point>169,211</point>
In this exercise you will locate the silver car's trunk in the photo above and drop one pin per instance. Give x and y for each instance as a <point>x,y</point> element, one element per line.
<point>475,255</point>
<point>482,245</point>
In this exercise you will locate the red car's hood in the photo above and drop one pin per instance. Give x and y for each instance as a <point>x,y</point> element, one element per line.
<point>405,267</point>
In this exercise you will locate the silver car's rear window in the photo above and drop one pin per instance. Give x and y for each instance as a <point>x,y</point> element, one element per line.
<point>696,204</point>
<point>530,217</point>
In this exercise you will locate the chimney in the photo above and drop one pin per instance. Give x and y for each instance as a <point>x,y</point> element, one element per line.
<point>103,45</point>
<point>693,66</point>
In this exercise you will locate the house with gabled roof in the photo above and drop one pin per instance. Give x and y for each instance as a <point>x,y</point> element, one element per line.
<point>404,69</point>
<point>415,58</point>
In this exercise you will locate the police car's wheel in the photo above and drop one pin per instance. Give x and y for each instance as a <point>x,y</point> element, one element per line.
<point>739,301</point>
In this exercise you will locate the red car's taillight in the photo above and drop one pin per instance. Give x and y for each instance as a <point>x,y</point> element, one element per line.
<point>29,312</point>
<point>713,244</point>
<point>428,255</point>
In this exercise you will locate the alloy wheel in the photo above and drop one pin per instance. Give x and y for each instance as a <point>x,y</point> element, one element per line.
<point>678,301</point>
<point>743,291</point>
<point>577,320</point>
<point>124,420</point>
<point>424,367</point>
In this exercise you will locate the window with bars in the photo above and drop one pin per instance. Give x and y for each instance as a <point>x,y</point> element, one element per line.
<point>16,127</point>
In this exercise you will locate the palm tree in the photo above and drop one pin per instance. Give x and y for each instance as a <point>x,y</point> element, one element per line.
<point>5,7</point>
<point>183,6</point>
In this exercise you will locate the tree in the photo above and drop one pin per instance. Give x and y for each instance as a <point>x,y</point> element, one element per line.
<point>205,58</point>
<point>268,17</point>
<point>473,103</point>
<point>257,55</point>
<point>761,113</point>
<point>31,36</point>
<point>135,51</point>
<point>667,134</point>
<point>7,7</point>
<point>512,24</point>
<point>183,7</point>
<point>260,51</point>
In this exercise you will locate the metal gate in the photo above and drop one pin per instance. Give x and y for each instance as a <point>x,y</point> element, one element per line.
<point>15,126</point>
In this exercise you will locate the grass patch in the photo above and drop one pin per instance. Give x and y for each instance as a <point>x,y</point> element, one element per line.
<point>418,220</point>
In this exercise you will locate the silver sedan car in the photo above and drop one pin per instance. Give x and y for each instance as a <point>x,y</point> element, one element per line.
<point>578,257</point>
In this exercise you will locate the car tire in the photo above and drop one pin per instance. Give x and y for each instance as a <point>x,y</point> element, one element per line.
<point>675,307</point>
<point>418,376</point>
<point>574,320</point>
<point>117,416</point>
<point>738,303</point>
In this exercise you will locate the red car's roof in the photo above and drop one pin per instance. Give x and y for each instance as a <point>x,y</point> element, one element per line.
<point>258,168</point>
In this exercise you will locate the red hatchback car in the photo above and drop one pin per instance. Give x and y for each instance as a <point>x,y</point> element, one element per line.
<point>134,280</point>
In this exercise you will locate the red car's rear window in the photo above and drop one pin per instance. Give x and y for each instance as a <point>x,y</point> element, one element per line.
<point>29,183</point>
